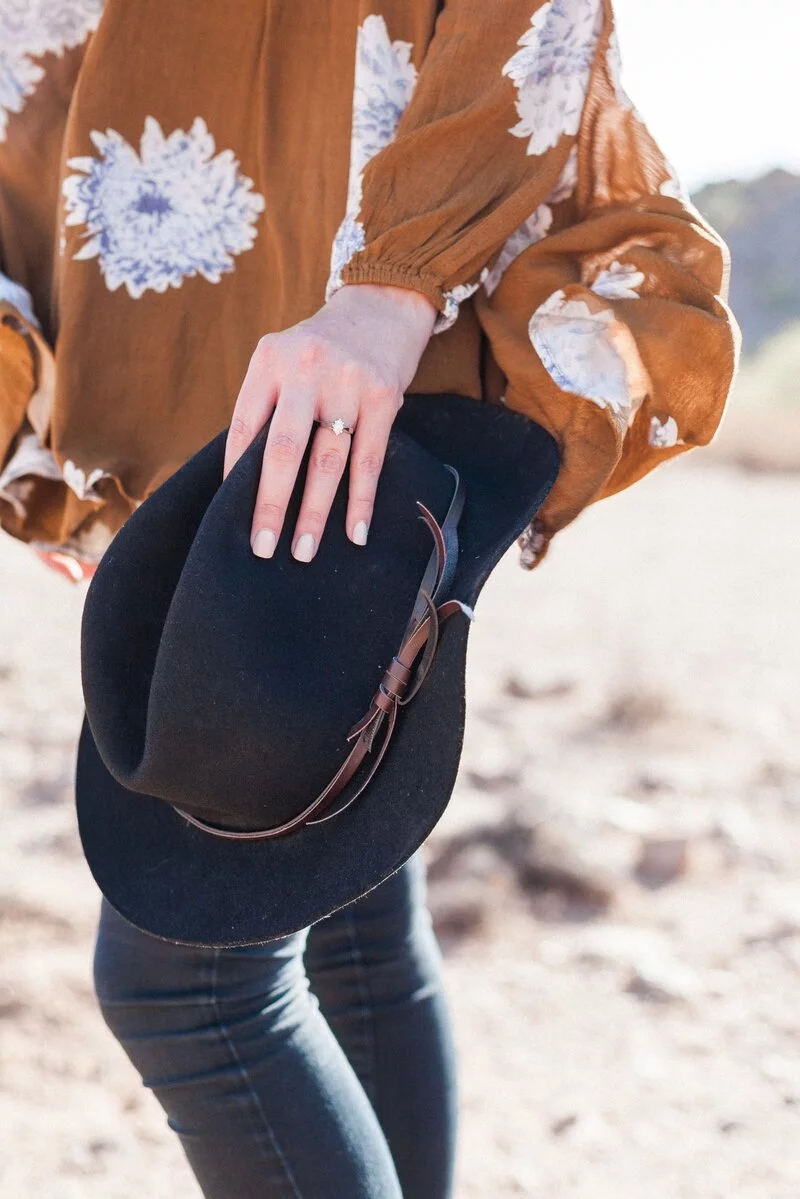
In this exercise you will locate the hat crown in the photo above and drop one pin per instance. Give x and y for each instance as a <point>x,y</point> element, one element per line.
<point>234,701</point>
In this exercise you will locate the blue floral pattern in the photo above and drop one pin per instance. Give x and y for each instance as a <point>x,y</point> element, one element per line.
<point>618,281</point>
<point>663,434</point>
<point>614,65</point>
<point>19,297</point>
<point>552,70</point>
<point>575,348</point>
<point>29,29</point>
<point>535,228</point>
<point>174,211</point>
<point>384,83</point>
<point>588,352</point>
<point>453,300</point>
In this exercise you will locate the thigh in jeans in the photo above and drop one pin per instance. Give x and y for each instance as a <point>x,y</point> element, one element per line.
<point>252,1079</point>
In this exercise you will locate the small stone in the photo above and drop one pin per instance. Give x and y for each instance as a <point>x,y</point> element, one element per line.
<point>662,860</point>
<point>620,945</point>
<point>493,766</point>
<point>636,711</point>
<point>661,980</point>
<point>649,783</point>
<point>10,1003</point>
<point>518,687</point>
<point>458,910</point>
<point>590,1131</point>
<point>736,827</point>
<point>101,1145</point>
<point>563,1124</point>
<point>628,815</point>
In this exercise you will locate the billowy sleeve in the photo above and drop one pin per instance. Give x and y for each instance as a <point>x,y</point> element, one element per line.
<point>36,504</point>
<point>520,174</point>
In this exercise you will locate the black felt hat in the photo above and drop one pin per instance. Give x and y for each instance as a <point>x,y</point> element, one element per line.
<point>220,801</point>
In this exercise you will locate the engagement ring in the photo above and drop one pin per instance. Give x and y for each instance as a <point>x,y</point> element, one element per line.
<point>337,426</point>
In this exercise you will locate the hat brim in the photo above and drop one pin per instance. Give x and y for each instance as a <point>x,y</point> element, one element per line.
<point>176,882</point>
<point>184,885</point>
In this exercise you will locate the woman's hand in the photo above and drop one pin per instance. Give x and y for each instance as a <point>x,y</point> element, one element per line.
<point>351,361</point>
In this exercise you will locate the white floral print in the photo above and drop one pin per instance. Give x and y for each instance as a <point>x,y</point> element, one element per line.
<point>673,187</point>
<point>531,543</point>
<point>614,64</point>
<point>537,225</point>
<point>567,180</point>
<point>581,351</point>
<point>16,295</point>
<point>32,458</point>
<point>82,484</point>
<point>349,240</point>
<point>551,72</point>
<point>663,434</point>
<point>29,458</point>
<point>584,351</point>
<point>384,83</point>
<point>453,300</point>
<point>619,281</point>
<point>29,29</point>
<point>535,228</point>
<point>175,210</point>
<point>385,78</point>
<point>528,233</point>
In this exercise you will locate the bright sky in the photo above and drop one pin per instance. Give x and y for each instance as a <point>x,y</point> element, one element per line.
<point>716,81</point>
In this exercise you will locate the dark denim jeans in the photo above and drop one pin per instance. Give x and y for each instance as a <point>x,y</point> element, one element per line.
<point>319,1066</point>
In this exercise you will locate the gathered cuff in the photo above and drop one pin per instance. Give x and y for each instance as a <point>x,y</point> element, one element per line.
<point>392,275</point>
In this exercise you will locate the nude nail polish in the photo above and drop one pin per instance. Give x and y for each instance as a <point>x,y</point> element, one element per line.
<point>264,543</point>
<point>304,548</point>
<point>360,531</point>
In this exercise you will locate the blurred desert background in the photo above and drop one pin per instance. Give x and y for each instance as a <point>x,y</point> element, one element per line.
<point>615,885</point>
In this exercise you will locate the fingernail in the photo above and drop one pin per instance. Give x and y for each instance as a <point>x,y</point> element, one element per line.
<point>304,548</point>
<point>264,543</point>
<point>360,533</point>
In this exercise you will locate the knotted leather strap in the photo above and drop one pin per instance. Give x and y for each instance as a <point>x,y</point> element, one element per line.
<point>399,685</point>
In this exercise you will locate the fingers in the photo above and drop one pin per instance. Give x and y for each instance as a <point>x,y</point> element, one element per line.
<point>254,406</point>
<point>325,470</point>
<point>369,449</point>
<point>288,378</point>
<point>286,442</point>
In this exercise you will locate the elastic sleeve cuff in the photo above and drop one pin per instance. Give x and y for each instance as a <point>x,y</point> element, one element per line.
<point>388,274</point>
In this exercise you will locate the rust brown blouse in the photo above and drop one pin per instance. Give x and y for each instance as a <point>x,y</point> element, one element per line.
<point>178,179</point>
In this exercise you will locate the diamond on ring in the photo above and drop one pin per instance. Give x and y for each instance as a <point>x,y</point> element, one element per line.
<point>337,426</point>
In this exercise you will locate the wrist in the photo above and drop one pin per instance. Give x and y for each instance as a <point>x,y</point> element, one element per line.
<point>403,305</point>
<point>396,324</point>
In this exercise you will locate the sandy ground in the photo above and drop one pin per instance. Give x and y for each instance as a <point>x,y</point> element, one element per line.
<point>616,882</point>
